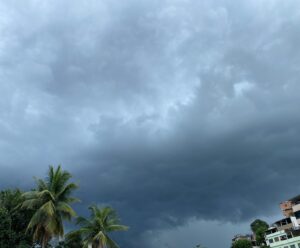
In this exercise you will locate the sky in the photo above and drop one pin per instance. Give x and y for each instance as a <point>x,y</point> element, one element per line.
<point>183,115</point>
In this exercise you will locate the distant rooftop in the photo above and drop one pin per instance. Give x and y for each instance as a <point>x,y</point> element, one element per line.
<point>295,199</point>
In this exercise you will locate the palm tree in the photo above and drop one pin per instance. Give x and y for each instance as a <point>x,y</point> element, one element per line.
<point>51,204</point>
<point>94,231</point>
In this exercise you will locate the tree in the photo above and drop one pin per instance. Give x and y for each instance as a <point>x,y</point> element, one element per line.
<point>72,240</point>
<point>5,233</point>
<point>17,219</point>
<point>94,231</point>
<point>255,225</point>
<point>50,202</point>
<point>259,227</point>
<point>242,243</point>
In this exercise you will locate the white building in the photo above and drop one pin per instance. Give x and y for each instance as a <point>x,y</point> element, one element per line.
<point>285,238</point>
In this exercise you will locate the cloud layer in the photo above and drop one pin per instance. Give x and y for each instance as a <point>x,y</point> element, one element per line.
<point>168,110</point>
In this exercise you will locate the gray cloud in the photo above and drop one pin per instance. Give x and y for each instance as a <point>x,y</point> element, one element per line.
<point>168,110</point>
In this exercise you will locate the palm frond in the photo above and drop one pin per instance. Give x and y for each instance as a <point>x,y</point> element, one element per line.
<point>82,221</point>
<point>112,228</point>
<point>46,194</point>
<point>41,184</point>
<point>67,190</point>
<point>102,221</point>
<point>72,200</point>
<point>31,203</point>
<point>111,243</point>
<point>66,210</point>
<point>36,220</point>
<point>100,237</point>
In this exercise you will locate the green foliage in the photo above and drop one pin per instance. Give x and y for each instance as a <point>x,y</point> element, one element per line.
<point>5,233</point>
<point>73,240</point>
<point>259,227</point>
<point>13,221</point>
<point>50,202</point>
<point>242,243</point>
<point>260,235</point>
<point>37,216</point>
<point>257,224</point>
<point>95,229</point>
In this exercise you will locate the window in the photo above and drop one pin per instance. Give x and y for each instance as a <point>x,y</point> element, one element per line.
<point>276,239</point>
<point>283,237</point>
<point>297,214</point>
<point>271,241</point>
<point>293,246</point>
<point>298,245</point>
<point>286,247</point>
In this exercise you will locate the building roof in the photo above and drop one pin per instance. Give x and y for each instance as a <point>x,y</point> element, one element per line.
<point>295,199</point>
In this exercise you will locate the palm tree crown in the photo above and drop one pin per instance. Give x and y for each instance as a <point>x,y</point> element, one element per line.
<point>94,231</point>
<point>51,204</point>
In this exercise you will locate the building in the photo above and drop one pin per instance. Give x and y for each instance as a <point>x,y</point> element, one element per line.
<point>249,237</point>
<point>288,238</point>
<point>285,233</point>
<point>288,207</point>
<point>242,237</point>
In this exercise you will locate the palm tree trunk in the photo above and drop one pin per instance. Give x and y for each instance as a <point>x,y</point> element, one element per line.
<point>44,243</point>
<point>45,240</point>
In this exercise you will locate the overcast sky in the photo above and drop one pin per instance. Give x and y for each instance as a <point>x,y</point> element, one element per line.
<point>183,115</point>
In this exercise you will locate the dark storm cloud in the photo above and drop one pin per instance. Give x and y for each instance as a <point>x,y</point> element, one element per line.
<point>168,110</point>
